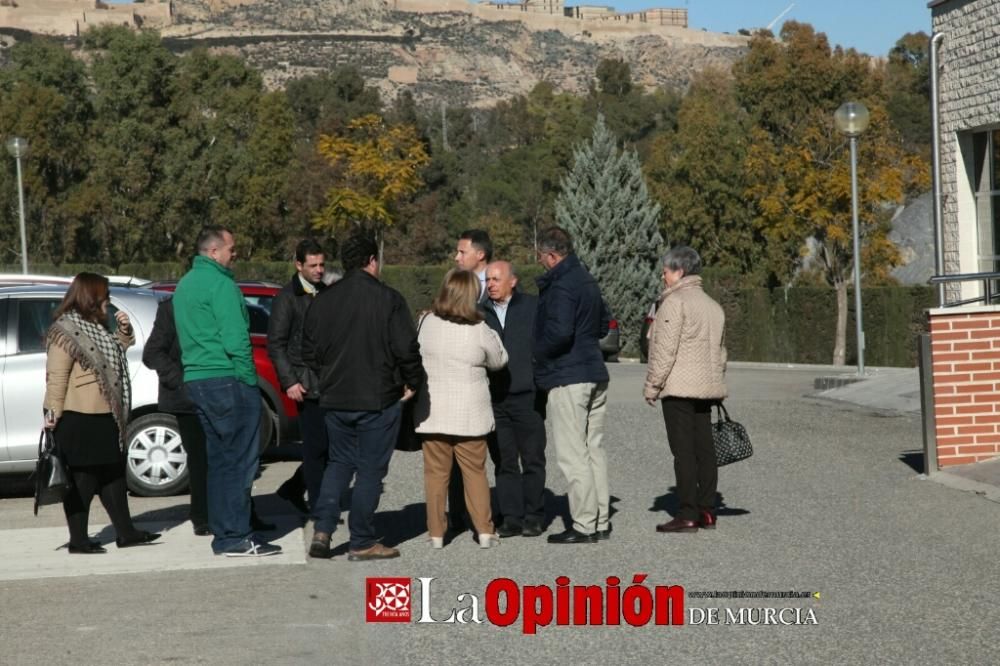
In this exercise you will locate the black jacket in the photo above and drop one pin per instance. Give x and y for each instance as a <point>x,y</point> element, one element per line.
<point>284,336</point>
<point>360,340</point>
<point>162,353</point>
<point>571,320</point>
<point>517,335</point>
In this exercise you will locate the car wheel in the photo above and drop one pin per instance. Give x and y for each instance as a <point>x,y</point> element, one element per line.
<point>611,358</point>
<point>156,462</point>
<point>268,421</point>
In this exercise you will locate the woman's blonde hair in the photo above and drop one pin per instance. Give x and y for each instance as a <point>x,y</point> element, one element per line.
<point>456,301</point>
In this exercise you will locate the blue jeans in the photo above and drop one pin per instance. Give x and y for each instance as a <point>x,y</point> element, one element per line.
<point>361,445</point>
<point>229,411</point>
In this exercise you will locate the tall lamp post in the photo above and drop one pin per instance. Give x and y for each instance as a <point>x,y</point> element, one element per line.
<point>852,119</point>
<point>18,147</point>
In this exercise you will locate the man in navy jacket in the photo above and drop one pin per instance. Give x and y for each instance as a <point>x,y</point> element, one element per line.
<point>520,430</point>
<point>571,320</point>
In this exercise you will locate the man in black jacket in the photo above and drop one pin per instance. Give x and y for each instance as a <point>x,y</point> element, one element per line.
<point>360,340</point>
<point>570,322</point>
<point>284,346</point>
<point>520,430</point>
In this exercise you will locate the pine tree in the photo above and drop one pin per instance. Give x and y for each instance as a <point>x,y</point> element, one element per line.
<point>605,207</point>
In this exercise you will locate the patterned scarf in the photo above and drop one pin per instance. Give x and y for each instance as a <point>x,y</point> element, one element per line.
<point>96,349</point>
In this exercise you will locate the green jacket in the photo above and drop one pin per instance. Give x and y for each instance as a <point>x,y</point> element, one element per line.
<point>213,327</point>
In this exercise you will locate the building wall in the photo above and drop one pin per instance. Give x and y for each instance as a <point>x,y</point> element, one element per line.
<point>965,357</point>
<point>969,100</point>
<point>70,17</point>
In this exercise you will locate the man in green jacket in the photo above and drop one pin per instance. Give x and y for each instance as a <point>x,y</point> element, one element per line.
<point>219,374</point>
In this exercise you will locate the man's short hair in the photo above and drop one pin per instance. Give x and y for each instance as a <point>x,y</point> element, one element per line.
<point>209,236</point>
<point>357,251</point>
<point>683,258</point>
<point>480,240</point>
<point>305,248</point>
<point>557,240</point>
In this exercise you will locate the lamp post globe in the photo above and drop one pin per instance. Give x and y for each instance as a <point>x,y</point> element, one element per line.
<point>18,148</point>
<point>851,118</point>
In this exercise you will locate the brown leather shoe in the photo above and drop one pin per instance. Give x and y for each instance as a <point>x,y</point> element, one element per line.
<point>320,546</point>
<point>678,525</point>
<point>706,520</point>
<point>376,552</point>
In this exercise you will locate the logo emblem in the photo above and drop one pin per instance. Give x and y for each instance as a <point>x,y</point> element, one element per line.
<point>387,599</point>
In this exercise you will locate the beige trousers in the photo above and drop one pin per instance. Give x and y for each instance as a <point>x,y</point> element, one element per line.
<point>576,414</point>
<point>471,456</point>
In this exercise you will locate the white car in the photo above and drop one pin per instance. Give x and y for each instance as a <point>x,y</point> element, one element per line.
<point>156,460</point>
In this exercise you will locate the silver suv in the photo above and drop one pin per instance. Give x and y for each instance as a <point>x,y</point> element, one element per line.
<point>157,462</point>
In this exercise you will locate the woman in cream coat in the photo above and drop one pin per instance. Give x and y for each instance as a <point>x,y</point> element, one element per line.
<point>454,414</point>
<point>686,373</point>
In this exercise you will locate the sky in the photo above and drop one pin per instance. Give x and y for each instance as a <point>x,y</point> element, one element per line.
<point>870,26</point>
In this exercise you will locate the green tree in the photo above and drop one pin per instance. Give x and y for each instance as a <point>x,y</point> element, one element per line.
<point>907,91</point>
<point>605,207</point>
<point>697,174</point>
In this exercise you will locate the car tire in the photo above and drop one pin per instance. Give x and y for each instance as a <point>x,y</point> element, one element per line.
<point>611,358</point>
<point>268,424</point>
<point>156,462</point>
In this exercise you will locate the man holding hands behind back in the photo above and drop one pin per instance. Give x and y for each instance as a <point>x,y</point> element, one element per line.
<point>520,430</point>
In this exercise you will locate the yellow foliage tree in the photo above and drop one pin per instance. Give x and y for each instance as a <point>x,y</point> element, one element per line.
<point>379,165</point>
<point>798,168</point>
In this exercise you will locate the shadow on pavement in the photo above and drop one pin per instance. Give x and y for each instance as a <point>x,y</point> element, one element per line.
<point>915,459</point>
<point>670,505</point>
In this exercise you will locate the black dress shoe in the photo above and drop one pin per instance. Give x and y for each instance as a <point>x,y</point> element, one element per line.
<point>140,538</point>
<point>678,525</point>
<point>258,525</point>
<point>572,536</point>
<point>509,530</point>
<point>92,548</point>
<point>532,528</point>
<point>202,530</point>
<point>605,534</point>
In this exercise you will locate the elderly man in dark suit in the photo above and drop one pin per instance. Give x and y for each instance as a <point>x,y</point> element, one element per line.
<point>520,429</point>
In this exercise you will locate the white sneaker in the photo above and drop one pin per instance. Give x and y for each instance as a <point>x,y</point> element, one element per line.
<point>437,542</point>
<point>489,540</point>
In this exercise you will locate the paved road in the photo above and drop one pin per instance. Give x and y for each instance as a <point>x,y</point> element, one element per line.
<point>906,568</point>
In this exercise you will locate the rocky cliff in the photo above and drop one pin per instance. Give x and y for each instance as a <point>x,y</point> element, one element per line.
<point>465,54</point>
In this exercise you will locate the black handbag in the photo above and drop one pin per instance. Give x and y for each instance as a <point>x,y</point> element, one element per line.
<point>408,440</point>
<point>51,477</point>
<point>732,443</point>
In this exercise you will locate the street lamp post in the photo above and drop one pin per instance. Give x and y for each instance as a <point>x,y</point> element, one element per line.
<point>18,147</point>
<point>852,119</point>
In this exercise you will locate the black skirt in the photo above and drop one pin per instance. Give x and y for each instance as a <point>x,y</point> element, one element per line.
<point>88,439</point>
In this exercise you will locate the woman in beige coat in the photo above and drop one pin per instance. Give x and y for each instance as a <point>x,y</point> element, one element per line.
<point>454,413</point>
<point>686,373</point>
<point>87,401</point>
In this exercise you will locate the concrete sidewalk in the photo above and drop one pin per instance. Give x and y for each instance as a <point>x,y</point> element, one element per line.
<point>898,390</point>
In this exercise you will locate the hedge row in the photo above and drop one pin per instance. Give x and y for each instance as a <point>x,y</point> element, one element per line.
<point>794,325</point>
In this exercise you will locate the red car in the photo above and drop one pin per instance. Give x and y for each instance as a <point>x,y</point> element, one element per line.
<point>283,425</point>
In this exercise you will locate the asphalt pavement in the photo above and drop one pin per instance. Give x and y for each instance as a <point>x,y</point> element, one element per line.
<point>832,502</point>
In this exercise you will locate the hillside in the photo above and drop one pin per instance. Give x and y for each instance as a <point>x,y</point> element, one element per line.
<point>463,54</point>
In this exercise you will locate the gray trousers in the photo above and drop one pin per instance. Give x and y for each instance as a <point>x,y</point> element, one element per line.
<point>576,414</point>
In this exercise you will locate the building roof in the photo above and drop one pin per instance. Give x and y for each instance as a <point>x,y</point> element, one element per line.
<point>936,3</point>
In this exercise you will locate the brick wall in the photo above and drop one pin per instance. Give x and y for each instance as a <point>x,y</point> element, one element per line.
<point>965,353</point>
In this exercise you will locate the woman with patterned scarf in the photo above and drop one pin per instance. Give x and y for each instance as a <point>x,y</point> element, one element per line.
<point>88,395</point>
